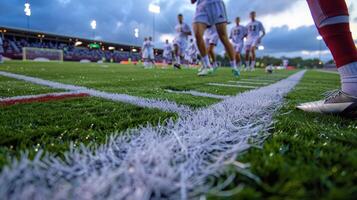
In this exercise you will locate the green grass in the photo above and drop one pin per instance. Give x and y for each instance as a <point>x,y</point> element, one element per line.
<point>309,156</point>
<point>11,87</point>
<point>52,126</point>
<point>134,80</point>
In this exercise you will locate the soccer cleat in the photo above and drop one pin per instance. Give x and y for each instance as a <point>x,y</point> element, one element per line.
<point>200,69</point>
<point>204,72</point>
<point>236,72</point>
<point>177,66</point>
<point>337,102</point>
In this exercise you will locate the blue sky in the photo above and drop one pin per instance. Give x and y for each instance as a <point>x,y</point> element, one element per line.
<point>290,27</point>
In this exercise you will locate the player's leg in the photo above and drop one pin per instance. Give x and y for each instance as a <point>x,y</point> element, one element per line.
<point>253,56</point>
<point>177,53</point>
<point>223,36</point>
<point>332,21</point>
<point>199,29</point>
<point>238,59</point>
<point>212,54</point>
<point>247,57</point>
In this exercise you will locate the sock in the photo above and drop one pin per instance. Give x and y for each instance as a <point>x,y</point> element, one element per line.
<point>252,64</point>
<point>339,40</point>
<point>178,60</point>
<point>206,63</point>
<point>246,64</point>
<point>348,75</point>
<point>233,64</point>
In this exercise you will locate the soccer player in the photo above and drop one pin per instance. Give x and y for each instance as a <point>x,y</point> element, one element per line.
<point>145,52</point>
<point>332,21</point>
<point>151,52</point>
<point>192,52</point>
<point>238,33</point>
<point>211,40</point>
<point>212,13</point>
<point>1,50</point>
<point>167,54</point>
<point>183,31</point>
<point>256,32</point>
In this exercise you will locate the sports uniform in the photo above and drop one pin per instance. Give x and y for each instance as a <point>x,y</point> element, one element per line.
<point>182,37</point>
<point>192,52</point>
<point>253,38</point>
<point>210,12</point>
<point>145,50</point>
<point>151,50</point>
<point>167,54</point>
<point>211,36</point>
<point>237,36</point>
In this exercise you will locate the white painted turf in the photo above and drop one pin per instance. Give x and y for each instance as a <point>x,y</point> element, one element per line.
<point>172,161</point>
<point>199,94</point>
<point>38,96</point>
<point>231,85</point>
<point>164,105</point>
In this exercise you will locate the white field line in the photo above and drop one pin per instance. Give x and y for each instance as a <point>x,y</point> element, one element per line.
<point>260,80</point>
<point>171,161</point>
<point>164,105</point>
<point>249,82</point>
<point>199,94</point>
<point>230,85</point>
<point>38,96</point>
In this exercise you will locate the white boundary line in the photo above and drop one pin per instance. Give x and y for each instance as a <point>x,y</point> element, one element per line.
<point>230,85</point>
<point>249,82</point>
<point>164,105</point>
<point>38,96</point>
<point>171,161</point>
<point>199,94</point>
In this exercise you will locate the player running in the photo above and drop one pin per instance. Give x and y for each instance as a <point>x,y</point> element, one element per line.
<point>238,33</point>
<point>211,40</point>
<point>332,21</point>
<point>212,13</point>
<point>167,54</point>
<point>180,43</point>
<point>256,32</point>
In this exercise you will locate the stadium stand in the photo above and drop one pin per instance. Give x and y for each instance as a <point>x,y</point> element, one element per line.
<point>74,48</point>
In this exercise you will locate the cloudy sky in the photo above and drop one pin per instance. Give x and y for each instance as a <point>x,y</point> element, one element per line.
<point>288,22</point>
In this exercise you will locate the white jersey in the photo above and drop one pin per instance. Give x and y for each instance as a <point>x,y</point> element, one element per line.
<point>181,31</point>
<point>238,33</point>
<point>167,49</point>
<point>254,29</point>
<point>192,49</point>
<point>151,45</point>
<point>145,46</point>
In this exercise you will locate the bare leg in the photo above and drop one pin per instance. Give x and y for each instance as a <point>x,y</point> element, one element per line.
<point>222,32</point>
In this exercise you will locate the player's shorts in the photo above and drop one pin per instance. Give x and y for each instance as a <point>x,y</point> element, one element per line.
<point>212,40</point>
<point>151,55</point>
<point>182,44</point>
<point>167,56</point>
<point>211,13</point>
<point>238,47</point>
<point>252,42</point>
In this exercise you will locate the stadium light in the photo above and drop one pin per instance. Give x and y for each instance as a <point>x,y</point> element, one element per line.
<point>319,37</point>
<point>93,24</point>
<point>136,33</point>
<point>154,8</point>
<point>261,48</point>
<point>28,13</point>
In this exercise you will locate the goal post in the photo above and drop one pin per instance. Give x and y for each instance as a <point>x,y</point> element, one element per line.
<point>42,54</point>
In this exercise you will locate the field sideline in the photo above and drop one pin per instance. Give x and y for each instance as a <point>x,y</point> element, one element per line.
<point>299,143</point>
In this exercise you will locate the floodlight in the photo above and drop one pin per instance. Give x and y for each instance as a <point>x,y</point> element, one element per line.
<point>78,43</point>
<point>154,8</point>
<point>319,37</point>
<point>261,48</point>
<point>27,9</point>
<point>136,33</point>
<point>93,24</point>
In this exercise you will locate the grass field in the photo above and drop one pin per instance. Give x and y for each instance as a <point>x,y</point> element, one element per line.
<point>308,156</point>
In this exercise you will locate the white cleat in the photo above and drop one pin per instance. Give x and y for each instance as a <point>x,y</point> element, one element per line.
<point>204,72</point>
<point>337,102</point>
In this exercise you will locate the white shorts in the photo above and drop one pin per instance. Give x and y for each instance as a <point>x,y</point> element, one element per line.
<point>182,44</point>
<point>238,47</point>
<point>252,42</point>
<point>145,54</point>
<point>212,40</point>
<point>167,56</point>
<point>211,13</point>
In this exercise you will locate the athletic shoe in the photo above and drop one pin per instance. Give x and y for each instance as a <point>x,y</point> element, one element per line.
<point>236,72</point>
<point>177,66</point>
<point>337,102</point>
<point>204,72</point>
<point>200,69</point>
